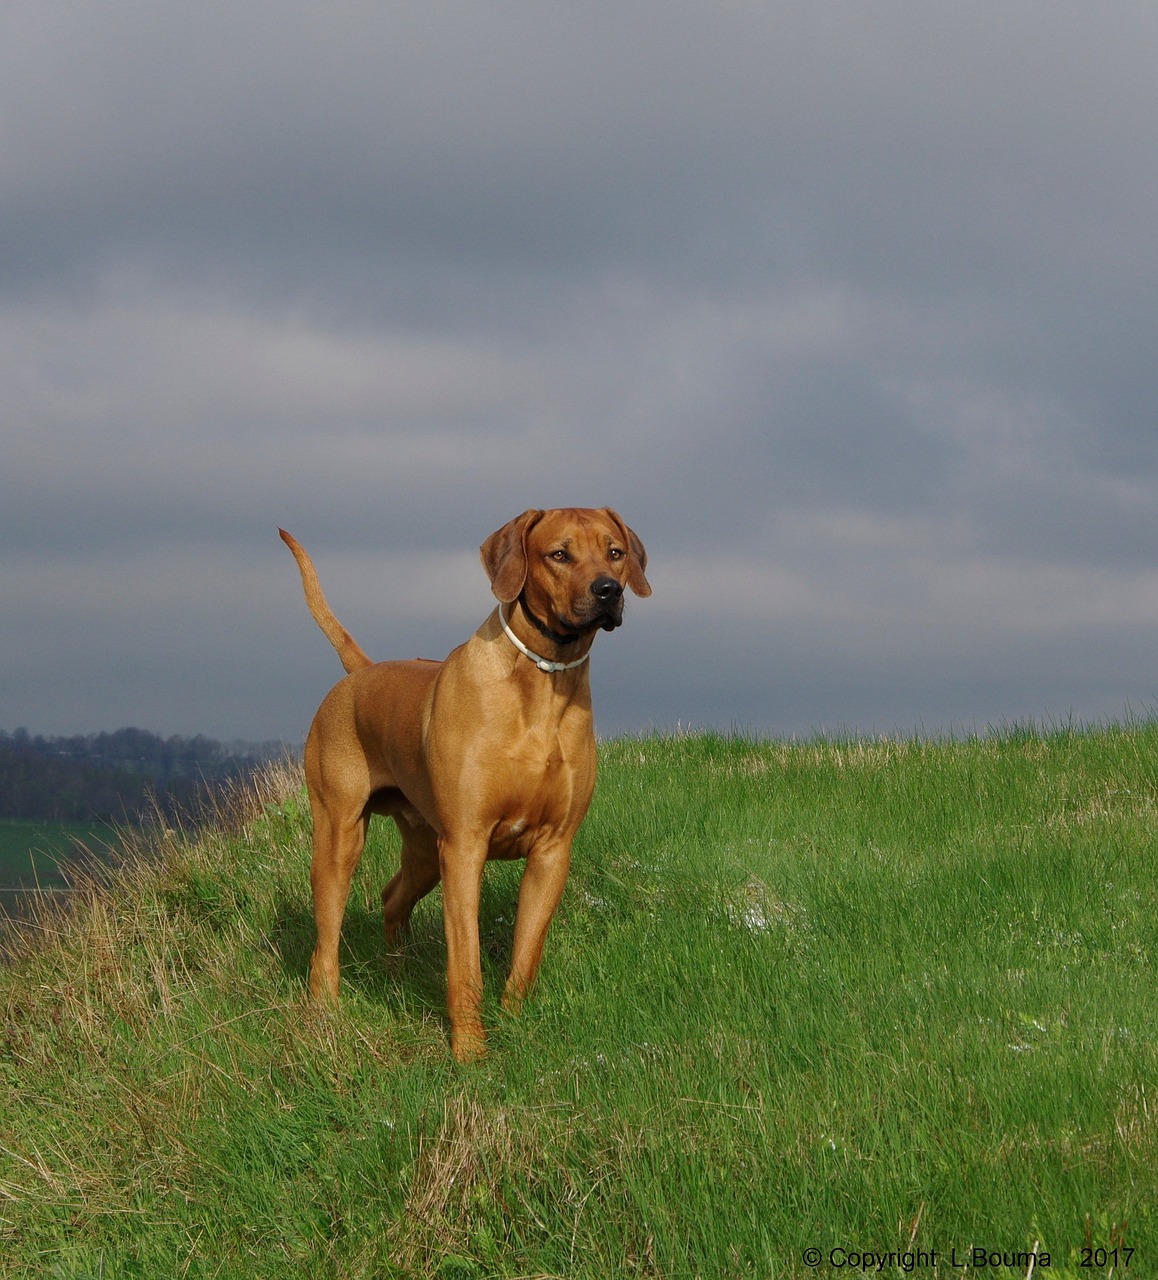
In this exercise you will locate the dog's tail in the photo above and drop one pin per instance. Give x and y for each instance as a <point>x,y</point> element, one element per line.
<point>347,647</point>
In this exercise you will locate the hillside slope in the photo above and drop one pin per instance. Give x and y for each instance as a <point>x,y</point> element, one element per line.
<point>892,996</point>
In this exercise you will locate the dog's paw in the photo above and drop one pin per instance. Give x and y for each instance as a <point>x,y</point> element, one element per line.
<point>468,1045</point>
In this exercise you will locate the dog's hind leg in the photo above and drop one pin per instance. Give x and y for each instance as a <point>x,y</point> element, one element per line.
<point>418,874</point>
<point>338,843</point>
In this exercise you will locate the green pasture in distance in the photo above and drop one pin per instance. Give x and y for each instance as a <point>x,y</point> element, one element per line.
<point>32,854</point>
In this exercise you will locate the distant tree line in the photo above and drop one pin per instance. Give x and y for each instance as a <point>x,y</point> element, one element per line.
<point>116,777</point>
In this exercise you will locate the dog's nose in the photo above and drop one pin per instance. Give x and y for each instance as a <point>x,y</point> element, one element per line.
<point>606,589</point>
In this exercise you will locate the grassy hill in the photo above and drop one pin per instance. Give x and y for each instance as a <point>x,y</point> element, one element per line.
<point>858,997</point>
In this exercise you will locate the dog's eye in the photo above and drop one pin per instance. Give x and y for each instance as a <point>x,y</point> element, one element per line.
<point>560,555</point>
<point>615,553</point>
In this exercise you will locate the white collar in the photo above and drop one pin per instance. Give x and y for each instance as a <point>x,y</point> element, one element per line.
<point>544,664</point>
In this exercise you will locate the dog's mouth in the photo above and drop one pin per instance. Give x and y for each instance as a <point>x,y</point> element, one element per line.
<point>598,615</point>
<point>588,613</point>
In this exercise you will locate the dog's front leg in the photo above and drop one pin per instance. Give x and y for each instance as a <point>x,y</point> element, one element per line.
<point>461,862</point>
<point>539,894</point>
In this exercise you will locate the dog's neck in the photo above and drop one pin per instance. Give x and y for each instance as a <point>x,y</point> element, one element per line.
<point>544,664</point>
<point>541,627</point>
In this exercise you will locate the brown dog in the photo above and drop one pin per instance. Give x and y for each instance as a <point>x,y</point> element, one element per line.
<point>489,754</point>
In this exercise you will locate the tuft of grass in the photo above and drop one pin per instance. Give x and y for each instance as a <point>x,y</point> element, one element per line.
<point>848,995</point>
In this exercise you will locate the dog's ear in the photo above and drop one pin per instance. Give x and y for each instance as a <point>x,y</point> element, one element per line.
<point>504,555</point>
<point>636,556</point>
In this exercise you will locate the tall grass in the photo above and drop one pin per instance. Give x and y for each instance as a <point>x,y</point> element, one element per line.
<point>868,996</point>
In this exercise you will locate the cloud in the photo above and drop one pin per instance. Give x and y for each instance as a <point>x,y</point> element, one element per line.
<point>848,312</point>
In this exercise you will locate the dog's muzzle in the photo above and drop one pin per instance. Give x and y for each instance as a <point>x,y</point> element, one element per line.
<point>606,609</point>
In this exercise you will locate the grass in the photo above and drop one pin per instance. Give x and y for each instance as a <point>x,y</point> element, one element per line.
<point>872,996</point>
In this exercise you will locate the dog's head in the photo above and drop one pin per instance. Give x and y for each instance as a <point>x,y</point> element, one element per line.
<point>569,565</point>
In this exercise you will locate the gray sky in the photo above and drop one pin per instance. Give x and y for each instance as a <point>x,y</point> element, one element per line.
<point>850,309</point>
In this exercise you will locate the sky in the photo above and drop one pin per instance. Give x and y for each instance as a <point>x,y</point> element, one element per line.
<point>848,308</point>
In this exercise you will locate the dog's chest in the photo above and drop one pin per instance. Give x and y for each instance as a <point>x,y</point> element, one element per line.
<point>545,792</point>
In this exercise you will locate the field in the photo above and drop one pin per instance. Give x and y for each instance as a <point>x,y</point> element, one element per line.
<point>817,1008</point>
<point>32,855</point>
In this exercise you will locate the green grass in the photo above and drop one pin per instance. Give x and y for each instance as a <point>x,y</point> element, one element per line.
<point>871,995</point>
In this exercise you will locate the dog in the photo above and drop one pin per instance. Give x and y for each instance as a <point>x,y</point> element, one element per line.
<point>487,754</point>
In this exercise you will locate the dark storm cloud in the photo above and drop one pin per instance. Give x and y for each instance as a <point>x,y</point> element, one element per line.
<point>848,308</point>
